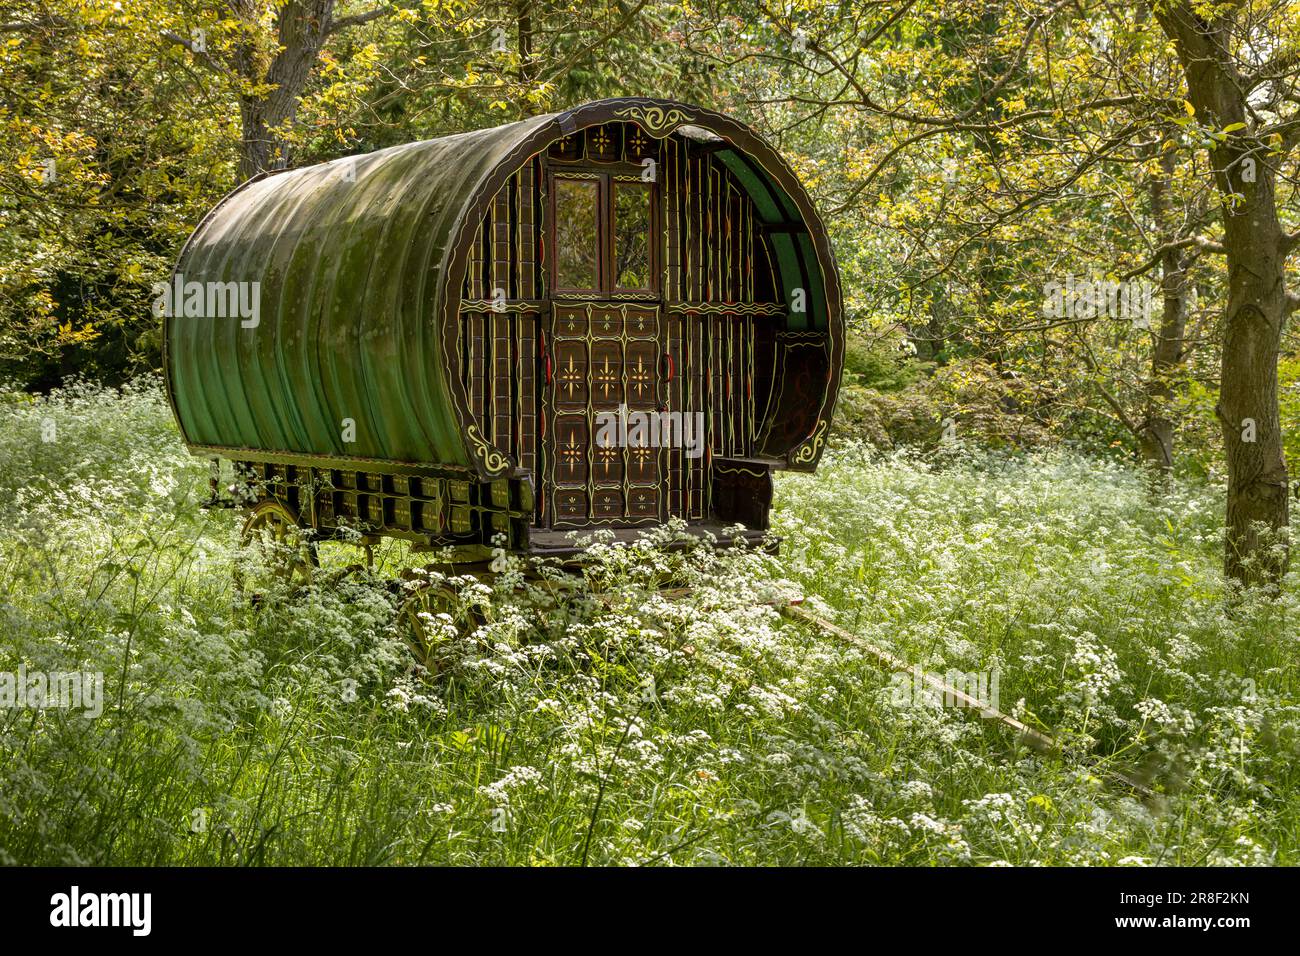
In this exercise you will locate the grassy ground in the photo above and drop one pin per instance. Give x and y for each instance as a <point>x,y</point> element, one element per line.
<point>642,731</point>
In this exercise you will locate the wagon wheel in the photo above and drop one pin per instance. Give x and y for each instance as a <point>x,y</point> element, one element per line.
<point>288,557</point>
<point>432,620</point>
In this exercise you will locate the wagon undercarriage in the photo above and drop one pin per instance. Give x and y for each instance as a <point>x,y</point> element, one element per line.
<point>462,519</point>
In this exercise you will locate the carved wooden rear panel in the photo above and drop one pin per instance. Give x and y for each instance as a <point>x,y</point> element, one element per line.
<point>694,348</point>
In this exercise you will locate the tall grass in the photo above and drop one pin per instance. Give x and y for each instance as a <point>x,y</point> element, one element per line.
<point>606,723</point>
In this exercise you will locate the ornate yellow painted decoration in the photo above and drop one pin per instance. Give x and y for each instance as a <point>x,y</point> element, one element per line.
<point>808,451</point>
<point>655,120</point>
<point>493,461</point>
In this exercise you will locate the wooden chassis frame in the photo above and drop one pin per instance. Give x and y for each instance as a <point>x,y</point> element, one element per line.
<point>427,507</point>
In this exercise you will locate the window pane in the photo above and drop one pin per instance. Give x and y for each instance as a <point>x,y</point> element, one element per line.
<point>632,236</point>
<point>575,233</point>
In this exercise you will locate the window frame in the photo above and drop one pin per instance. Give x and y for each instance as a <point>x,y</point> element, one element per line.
<point>598,267</point>
<point>605,175</point>
<point>652,241</point>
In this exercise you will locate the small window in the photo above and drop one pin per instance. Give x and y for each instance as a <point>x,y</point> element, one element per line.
<point>577,241</point>
<point>632,236</point>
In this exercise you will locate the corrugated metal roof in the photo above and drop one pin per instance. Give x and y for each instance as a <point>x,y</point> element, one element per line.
<point>346,255</point>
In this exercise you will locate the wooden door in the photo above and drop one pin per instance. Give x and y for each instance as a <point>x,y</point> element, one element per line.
<point>604,352</point>
<point>604,365</point>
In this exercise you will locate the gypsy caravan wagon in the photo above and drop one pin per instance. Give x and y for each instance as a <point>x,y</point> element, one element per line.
<point>601,318</point>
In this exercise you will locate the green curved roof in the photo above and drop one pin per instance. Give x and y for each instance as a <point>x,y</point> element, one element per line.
<point>346,254</point>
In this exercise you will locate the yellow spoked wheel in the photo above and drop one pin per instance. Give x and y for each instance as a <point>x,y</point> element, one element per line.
<point>285,555</point>
<point>432,620</point>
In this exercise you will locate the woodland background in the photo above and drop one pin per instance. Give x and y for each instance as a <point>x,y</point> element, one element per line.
<point>1053,495</point>
<point>965,153</point>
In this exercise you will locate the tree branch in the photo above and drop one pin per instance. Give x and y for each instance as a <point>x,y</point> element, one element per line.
<point>356,20</point>
<point>47,22</point>
<point>1205,245</point>
<point>203,56</point>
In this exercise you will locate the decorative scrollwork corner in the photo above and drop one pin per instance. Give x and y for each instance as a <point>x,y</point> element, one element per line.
<point>655,120</point>
<point>494,462</point>
<point>809,450</point>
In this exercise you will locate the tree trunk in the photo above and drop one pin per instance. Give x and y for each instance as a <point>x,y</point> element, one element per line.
<point>1248,403</point>
<point>1156,439</point>
<point>524,33</point>
<point>1256,248</point>
<point>302,27</point>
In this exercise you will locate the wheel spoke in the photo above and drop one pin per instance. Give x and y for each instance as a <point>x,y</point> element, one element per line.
<point>428,638</point>
<point>286,554</point>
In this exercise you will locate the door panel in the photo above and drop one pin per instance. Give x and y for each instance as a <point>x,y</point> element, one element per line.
<point>572,439</point>
<point>605,358</point>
